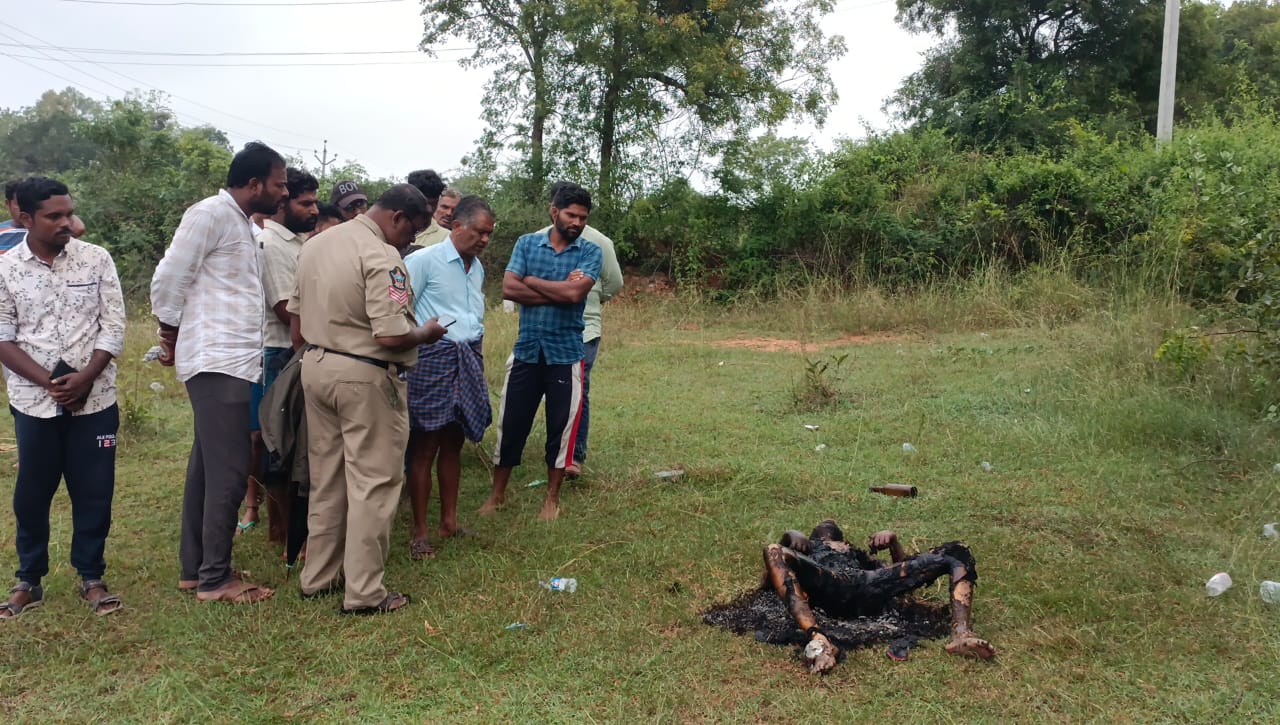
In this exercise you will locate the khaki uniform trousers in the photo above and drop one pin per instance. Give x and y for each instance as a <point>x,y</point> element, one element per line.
<point>358,427</point>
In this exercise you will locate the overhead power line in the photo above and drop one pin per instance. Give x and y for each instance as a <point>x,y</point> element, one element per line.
<point>221,53</point>
<point>22,32</point>
<point>177,3</point>
<point>59,76</point>
<point>263,64</point>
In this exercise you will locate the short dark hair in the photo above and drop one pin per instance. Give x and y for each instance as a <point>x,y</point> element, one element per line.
<point>428,182</point>
<point>329,211</point>
<point>32,191</point>
<point>570,194</point>
<point>300,181</point>
<point>255,161</point>
<point>9,188</point>
<point>558,186</point>
<point>469,207</point>
<point>404,198</point>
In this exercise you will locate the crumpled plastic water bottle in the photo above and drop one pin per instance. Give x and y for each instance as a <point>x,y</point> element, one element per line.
<point>1270,592</point>
<point>1217,584</point>
<point>908,448</point>
<point>1269,531</point>
<point>561,584</point>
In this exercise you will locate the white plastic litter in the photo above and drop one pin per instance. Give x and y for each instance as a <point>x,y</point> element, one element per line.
<point>1217,584</point>
<point>1270,592</point>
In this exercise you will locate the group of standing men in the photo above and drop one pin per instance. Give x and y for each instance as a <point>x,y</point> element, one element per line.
<point>263,286</point>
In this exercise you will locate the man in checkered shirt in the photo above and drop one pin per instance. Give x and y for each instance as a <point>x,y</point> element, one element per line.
<point>550,275</point>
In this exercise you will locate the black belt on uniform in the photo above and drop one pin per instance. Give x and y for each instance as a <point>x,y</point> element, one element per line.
<point>384,364</point>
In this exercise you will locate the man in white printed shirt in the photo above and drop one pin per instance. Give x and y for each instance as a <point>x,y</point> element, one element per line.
<point>207,295</point>
<point>281,239</point>
<point>61,325</point>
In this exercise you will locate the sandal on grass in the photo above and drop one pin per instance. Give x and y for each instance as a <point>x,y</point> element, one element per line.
<point>393,602</point>
<point>237,591</point>
<point>34,593</point>
<point>421,549</point>
<point>103,605</point>
<point>243,527</point>
<point>190,586</point>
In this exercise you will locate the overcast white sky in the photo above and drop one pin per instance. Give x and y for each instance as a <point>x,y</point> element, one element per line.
<point>417,113</point>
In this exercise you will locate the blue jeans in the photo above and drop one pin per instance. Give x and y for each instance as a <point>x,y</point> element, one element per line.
<point>589,352</point>
<point>273,361</point>
<point>82,450</point>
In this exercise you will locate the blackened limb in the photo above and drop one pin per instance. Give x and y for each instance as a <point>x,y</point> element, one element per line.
<point>797,578</point>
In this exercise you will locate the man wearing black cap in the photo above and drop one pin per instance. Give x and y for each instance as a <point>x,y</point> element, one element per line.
<point>349,198</point>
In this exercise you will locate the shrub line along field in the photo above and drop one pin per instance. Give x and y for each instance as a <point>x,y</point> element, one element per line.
<point>1116,488</point>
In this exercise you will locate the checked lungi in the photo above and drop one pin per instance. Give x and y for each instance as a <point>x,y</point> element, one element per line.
<point>448,386</point>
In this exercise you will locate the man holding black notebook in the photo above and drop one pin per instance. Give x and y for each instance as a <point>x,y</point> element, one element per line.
<point>61,326</point>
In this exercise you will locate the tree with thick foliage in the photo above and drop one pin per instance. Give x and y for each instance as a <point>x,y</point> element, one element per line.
<point>1014,74</point>
<point>610,79</point>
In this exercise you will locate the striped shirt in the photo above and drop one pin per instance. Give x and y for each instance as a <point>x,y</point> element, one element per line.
<point>11,237</point>
<point>209,284</point>
<point>551,333</point>
<point>63,310</point>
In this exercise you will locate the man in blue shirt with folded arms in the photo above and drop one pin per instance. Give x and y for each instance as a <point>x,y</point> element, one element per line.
<point>550,275</point>
<point>448,397</point>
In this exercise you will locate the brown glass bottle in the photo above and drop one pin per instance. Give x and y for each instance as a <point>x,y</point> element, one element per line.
<point>895,489</point>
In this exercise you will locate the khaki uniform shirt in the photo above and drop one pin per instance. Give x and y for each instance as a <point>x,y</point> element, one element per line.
<point>280,249</point>
<point>433,234</point>
<point>351,286</point>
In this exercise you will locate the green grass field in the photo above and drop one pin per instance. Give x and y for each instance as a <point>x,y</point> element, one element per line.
<point>1116,492</point>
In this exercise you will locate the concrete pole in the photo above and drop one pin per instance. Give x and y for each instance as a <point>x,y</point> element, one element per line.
<point>1168,71</point>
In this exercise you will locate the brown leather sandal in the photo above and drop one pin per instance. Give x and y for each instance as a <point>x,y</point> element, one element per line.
<point>36,594</point>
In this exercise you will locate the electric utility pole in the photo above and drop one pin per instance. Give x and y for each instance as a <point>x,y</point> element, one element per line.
<point>325,160</point>
<point>1168,70</point>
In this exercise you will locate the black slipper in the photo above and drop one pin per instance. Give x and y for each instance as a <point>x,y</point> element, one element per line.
<point>394,601</point>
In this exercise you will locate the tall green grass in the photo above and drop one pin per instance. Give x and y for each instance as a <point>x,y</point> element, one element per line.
<point>1117,489</point>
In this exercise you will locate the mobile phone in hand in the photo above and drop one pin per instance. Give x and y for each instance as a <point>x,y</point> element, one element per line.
<point>61,369</point>
<point>445,320</point>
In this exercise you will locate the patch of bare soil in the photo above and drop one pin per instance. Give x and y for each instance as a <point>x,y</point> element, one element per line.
<point>774,344</point>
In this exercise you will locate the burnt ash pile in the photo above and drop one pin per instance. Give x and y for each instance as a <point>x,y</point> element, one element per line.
<point>762,614</point>
<point>903,622</point>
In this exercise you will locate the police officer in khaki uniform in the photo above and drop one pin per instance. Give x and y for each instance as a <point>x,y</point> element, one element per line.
<point>353,312</point>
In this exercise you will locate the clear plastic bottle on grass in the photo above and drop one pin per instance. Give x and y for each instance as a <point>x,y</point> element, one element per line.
<point>1270,592</point>
<point>561,584</point>
<point>1217,584</point>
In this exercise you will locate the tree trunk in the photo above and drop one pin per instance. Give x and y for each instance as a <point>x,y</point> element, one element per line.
<point>541,111</point>
<point>609,118</point>
<point>608,133</point>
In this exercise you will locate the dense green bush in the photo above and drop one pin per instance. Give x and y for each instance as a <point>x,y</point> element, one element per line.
<point>905,207</point>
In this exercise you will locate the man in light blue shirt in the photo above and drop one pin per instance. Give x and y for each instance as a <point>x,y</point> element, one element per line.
<point>448,397</point>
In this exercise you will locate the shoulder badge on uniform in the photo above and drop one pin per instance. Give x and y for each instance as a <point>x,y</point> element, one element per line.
<point>398,291</point>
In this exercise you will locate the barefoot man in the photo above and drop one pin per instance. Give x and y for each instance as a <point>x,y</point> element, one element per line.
<point>448,397</point>
<point>550,275</point>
